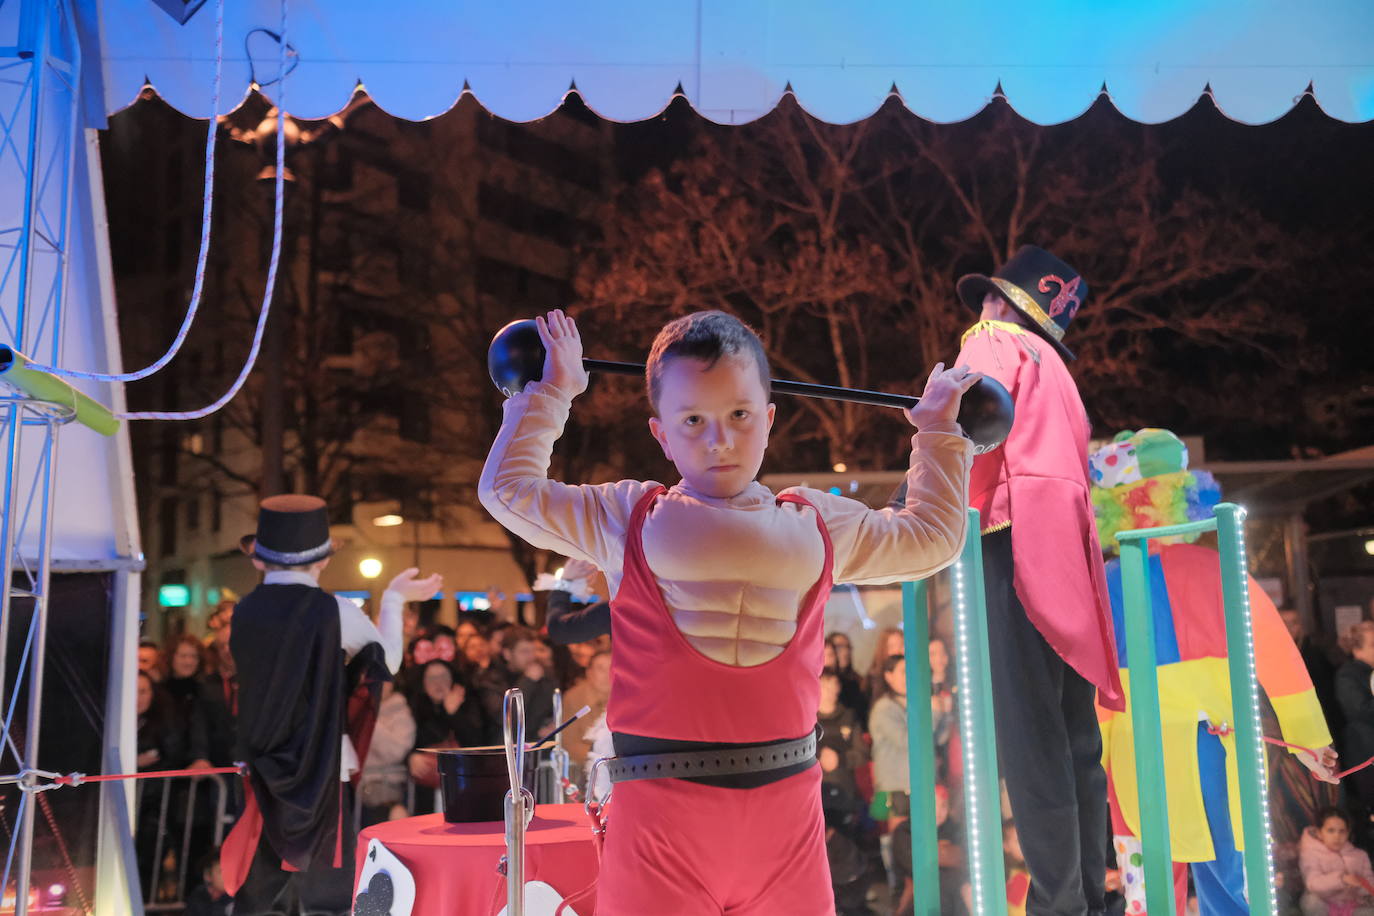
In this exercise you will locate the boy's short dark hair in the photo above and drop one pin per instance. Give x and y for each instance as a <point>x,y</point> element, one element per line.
<point>708,336</point>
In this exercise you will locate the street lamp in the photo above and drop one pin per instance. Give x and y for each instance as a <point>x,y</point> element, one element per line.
<point>370,567</point>
<point>390,520</point>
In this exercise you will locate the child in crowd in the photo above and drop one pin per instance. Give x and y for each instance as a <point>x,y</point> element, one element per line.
<point>1337,876</point>
<point>210,898</point>
<point>839,727</point>
<point>950,855</point>
<point>718,592</point>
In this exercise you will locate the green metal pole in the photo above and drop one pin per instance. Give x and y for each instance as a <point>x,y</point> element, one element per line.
<point>925,852</point>
<point>1245,708</point>
<point>1143,690</point>
<point>982,792</point>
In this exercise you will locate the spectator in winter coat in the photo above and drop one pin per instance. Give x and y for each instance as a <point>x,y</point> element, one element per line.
<point>1337,876</point>
<point>384,773</point>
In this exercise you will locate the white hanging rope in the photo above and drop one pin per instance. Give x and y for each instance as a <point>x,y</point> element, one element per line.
<point>211,132</point>
<point>280,195</point>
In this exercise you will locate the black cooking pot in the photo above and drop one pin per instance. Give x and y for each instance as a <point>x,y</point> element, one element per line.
<point>475,781</point>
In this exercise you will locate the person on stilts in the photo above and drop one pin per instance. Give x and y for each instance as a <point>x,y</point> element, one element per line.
<point>1142,480</point>
<point>1049,620</point>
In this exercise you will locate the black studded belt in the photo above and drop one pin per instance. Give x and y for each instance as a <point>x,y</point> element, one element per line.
<point>725,761</point>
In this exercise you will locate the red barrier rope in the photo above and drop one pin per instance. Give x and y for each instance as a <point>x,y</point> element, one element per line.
<point>1298,747</point>
<point>1223,730</point>
<point>76,779</point>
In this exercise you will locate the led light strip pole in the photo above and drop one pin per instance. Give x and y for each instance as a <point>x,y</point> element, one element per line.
<point>1143,688</point>
<point>977,730</point>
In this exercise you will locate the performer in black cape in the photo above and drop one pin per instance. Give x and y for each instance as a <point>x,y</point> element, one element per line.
<point>310,666</point>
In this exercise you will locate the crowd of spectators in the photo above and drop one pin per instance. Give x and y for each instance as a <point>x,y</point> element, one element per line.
<point>866,786</point>
<point>447,694</point>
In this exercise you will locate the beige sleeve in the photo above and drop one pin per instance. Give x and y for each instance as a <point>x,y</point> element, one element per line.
<point>877,546</point>
<point>585,521</point>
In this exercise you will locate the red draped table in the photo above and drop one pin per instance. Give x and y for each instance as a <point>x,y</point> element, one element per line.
<point>455,864</point>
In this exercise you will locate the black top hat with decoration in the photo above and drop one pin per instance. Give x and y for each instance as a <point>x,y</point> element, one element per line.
<point>293,530</point>
<point>1039,286</point>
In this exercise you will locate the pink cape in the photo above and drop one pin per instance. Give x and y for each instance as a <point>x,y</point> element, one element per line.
<point>1039,480</point>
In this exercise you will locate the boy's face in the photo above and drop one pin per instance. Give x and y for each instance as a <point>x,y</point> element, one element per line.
<point>713,423</point>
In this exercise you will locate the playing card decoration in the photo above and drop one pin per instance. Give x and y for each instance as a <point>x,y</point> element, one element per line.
<point>542,900</point>
<point>376,900</point>
<point>385,886</point>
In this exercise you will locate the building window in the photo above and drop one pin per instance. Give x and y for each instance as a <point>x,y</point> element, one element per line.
<point>412,414</point>
<point>170,444</point>
<point>529,217</point>
<point>521,144</point>
<point>171,255</point>
<point>512,285</point>
<point>412,191</point>
<point>167,522</point>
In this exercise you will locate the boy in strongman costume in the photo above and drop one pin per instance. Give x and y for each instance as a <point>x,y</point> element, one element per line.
<point>301,653</point>
<point>719,589</point>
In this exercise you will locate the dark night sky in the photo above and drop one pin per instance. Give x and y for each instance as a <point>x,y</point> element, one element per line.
<point>1306,172</point>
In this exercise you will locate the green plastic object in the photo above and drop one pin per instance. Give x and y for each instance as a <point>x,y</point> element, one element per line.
<point>925,853</point>
<point>1143,689</point>
<point>44,387</point>
<point>174,595</point>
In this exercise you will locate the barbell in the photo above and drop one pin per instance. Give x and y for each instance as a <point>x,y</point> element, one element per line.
<point>516,357</point>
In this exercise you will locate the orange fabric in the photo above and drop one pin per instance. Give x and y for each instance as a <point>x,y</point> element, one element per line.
<point>1193,575</point>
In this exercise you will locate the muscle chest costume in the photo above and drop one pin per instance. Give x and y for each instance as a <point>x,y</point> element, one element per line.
<point>697,579</point>
<point>1039,477</point>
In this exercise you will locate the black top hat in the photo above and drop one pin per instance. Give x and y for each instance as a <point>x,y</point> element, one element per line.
<point>293,530</point>
<point>1038,285</point>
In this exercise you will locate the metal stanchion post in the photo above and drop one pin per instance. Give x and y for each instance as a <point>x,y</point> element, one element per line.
<point>519,801</point>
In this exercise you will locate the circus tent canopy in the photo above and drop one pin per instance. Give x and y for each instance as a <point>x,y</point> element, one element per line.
<point>734,59</point>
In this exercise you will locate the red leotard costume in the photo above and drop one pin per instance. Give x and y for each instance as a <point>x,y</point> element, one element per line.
<point>683,847</point>
<point>757,567</point>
